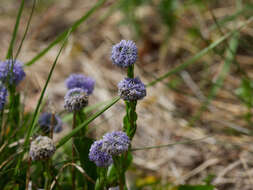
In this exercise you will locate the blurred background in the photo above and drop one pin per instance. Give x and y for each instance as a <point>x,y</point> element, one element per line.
<point>212,97</point>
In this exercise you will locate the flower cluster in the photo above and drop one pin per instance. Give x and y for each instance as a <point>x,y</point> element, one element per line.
<point>131,89</point>
<point>75,99</point>
<point>45,122</point>
<point>112,144</point>
<point>97,155</point>
<point>115,143</point>
<point>42,148</point>
<point>124,54</point>
<point>11,72</point>
<point>80,81</point>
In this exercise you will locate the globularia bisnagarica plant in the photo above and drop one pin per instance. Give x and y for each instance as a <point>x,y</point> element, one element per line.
<point>30,156</point>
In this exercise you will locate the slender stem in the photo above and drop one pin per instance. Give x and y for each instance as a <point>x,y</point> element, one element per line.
<point>130,71</point>
<point>47,174</point>
<point>120,171</point>
<point>73,153</point>
<point>101,180</point>
<point>53,122</point>
<point>28,174</point>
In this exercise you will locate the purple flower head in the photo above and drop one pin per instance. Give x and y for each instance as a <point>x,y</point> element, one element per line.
<point>80,81</point>
<point>115,143</point>
<point>3,94</point>
<point>124,53</point>
<point>75,99</point>
<point>97,155</point>
<point>11,70</point>
<point>131,89</point>
<point>45,122</point>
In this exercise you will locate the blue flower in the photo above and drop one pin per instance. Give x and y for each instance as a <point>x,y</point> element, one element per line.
<point>46,125</point>
<point>80,81</point>
<point>100,157</point>
<point>75,99</point>
<point>131,89</point>
<point>116,143</point>
<point>124,54</point>
<point>3,94</point>
<point>11,72</point>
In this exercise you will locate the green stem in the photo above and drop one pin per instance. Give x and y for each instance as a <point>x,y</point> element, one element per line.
<point>47,174</point>
<point>73,153</point>
<point>130,71</point>
<point>131,115</point>
<point>120,171</point>
<point>101,180</point>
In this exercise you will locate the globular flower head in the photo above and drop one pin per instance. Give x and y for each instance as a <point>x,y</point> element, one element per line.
<point>80,81</point>
<point>11,72</point>
<point>75,99</point>
<point>3,94</point>
<point>124,54</point>
<point>131,89</point>
<point>42,148</point>
<point>45,122</point>
<point>97,155</point>
<point>115,143</point>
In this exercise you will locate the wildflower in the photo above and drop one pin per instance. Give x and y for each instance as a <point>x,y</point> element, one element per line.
<point>97,155</point>
<point>124,54</point>
<point>115,143</point>
<point>75,99</point>
<point>45,122</point>
<point>42,148</point>
<point>131,89</point>
<point>12,71</point>
<point>80,81</point>
<point>3,94</point>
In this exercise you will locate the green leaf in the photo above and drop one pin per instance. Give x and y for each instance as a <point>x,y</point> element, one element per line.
<point>195,187</point>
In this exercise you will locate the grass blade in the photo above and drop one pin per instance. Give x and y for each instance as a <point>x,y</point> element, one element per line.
<point>26,29</point>
<point>230,56</point>
<point>199,55</point>
<point>14,34</point>
<point>90,119</point>
<point>171,144</point>
<point>87,110</point>
<point>35,115</point>
<point>64,34</point>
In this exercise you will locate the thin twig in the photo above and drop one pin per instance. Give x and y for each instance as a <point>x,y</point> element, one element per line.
<point>28,173</point>
<point>79,168</point>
